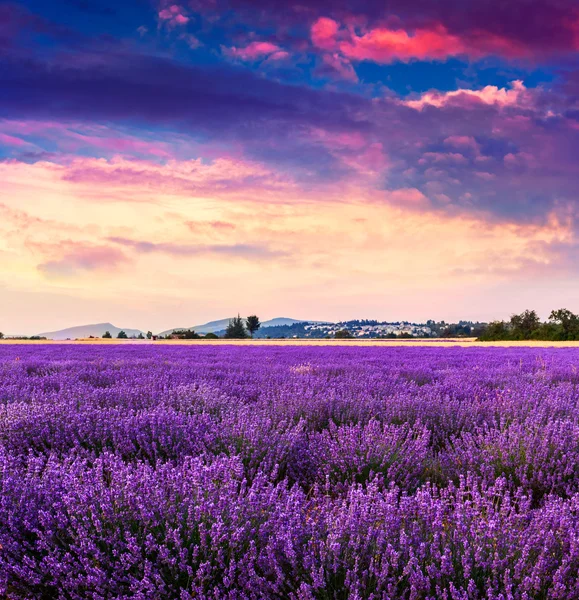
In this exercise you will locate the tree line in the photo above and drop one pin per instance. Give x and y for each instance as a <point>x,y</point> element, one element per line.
<point>562,325</point>
<point>238,328</point>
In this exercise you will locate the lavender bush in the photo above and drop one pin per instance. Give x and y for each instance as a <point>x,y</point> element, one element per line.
<point>288,472</point>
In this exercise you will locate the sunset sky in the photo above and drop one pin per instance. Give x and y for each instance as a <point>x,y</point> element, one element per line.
<point>163,164</point>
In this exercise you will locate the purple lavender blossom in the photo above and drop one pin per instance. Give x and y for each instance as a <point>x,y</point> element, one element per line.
<point>288,472</point>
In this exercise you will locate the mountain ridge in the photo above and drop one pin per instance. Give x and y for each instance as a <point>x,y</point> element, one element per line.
<point>85,331</point>
<point>98,329</point>
<point>221,325</point>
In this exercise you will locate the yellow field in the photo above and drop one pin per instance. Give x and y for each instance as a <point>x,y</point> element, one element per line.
<point>447,342</point>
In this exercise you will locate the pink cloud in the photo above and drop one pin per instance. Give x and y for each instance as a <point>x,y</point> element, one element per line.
<point>256,51</point>
<point>442,158</point>
<point>144,181</point>
<point>384,45</point>
<point>69,259</point>
<point>340,66</point>
<point>173,16</point>
<point>324,32</point>
<point>72,137</point>
<point>517,96</point>
<point>463,142</point>
<point>10,140</point>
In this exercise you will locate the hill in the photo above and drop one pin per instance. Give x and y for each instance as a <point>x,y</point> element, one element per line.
<point>221,324</point>
<point>85,331</point>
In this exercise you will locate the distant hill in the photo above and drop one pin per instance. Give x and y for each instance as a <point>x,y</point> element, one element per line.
<point>221,325</point>
<point>85,331</point>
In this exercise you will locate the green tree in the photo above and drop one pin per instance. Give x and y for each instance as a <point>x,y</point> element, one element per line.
<point>1,336</point>
<point>342,334</point>
<point>253,324</point>
<point>140,336</point>
<point>185,334</point>
<point>495,331</point>
<point>211,336</point>
<point>122,335</point>
<point>568,321</point>
<point>149,335</point>
<point>236,329</point>
<point>107,335</point>
<point>524,325</point>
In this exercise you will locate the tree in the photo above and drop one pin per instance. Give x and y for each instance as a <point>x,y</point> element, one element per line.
<point>184,334</point>
<point>525,324</point>
<point>149,335</point>
<point>495,331</point>
<point>236,329</point>
<point>252,323</point>
<point>342,334</point>
<point>1,336</point>
<point>122,335</point>
<point>211,336</point>
<point>568,321</point>
<point>107,335</point>
<point>140,336</point>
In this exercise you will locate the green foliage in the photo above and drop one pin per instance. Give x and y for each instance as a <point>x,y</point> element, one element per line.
<point>495,331</point>
<point>253,324</point>
<point>342,334</point>
<point>236,329</point>
<point>568,323</point>
<point>184,334</point>
<point>140,336</point>
<point>524,325</point>
<point>107,335</point>
<point>1,336</point>
<point>211,336</point>
<point>563,325</point>
<point>122,336</point>
<point>149,335</point>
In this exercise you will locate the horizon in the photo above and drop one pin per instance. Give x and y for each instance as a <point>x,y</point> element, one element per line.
<point>326,160</point>
<point>156,331</point>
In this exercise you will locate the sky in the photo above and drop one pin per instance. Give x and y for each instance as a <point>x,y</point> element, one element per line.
<point>167,163</point>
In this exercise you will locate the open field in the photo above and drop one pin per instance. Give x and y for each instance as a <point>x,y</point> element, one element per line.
<point>432,342</point>
<point>137,471</point>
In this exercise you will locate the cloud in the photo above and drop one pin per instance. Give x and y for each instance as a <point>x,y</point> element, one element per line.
<point>384,46</point>
<point>324,33</point>
<point>517,96</point>
<point>78,258</point>
<point>423,29</point>
<point>173,15</point>
<point>257,51</point>
<point>337,67</point>
<point>222,177</point>
<point>241,250</point>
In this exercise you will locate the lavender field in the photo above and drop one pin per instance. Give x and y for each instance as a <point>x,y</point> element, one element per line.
<point>158,472</point>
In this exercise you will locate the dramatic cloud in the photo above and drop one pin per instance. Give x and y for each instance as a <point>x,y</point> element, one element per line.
<point>384,45</point>
<point>429,146</point>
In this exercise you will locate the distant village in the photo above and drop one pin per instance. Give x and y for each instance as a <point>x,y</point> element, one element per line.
<point>363,330</point>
